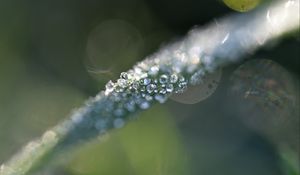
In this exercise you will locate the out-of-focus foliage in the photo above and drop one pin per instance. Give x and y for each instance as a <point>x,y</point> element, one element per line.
<point>49,64</point>
<point>148,146</point>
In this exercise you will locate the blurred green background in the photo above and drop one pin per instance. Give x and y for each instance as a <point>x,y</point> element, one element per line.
<point>54,54</point>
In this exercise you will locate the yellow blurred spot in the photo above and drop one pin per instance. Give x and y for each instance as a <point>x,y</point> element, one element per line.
<point>242,5</point>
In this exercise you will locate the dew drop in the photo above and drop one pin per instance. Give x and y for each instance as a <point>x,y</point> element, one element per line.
<point>160,98</point>
<point>109,87</point>
<point>146,81</point>
<point>135,85</point>
<point>143,89</point>
<point>119,112</point>
<point>101,124</point>
<point>162,91</point>
<point>118,123</point>
<point>130,106</point>
<point>173,78</point>
<point>169,88</point>
<point>122,83</point>
<point>153,70</point>
<point>144,105</point>
<point>150,88</point>
<point>123,75</point>
<point>196,93</point>
<point>148,97</point>
<point>163,79</point>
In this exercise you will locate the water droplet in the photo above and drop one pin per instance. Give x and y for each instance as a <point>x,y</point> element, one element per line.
<point>197,93</point>
<point>160,98</point>
<point>149,97</point>
<point>143,89</point>
<point>153,70</point>
<point>125,75</point>
<point>119,112</point>
<point>101,124</point>
<point>130,105</point>
<point>122,83</point>
<point>173,78</point>
<point>150,88</point>
<point>146,81</point>
<point>163,79</point>
<point>77,117</point>
<point>109,87</point>
<point>162,91</point>
<point>182,86</point>
<point>144,105</point>
<point>169,88</point>
<point>138,70</point>
<point>135,85</point>
<point>118,123</point>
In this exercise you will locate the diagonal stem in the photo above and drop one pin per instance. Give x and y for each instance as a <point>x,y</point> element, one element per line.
<point>153,80</point>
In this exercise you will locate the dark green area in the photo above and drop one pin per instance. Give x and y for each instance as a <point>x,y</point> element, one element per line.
<point>54,54</point>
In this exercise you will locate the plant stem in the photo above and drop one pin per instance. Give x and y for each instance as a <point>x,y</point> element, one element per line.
<point>153,80</point>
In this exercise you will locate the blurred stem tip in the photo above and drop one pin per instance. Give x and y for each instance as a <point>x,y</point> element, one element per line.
<point>170,70</point>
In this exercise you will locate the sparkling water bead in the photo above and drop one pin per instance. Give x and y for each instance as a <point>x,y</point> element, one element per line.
<point>124,75</point>
<point>160,98</point>
<point>163,79</point>
<point>146,81</point>
<point>109,87</point>
<point>153,70</point>
<point>150,88</point>
<point>144,105</point>
<point>162,91</point>
<point>149,97</point>
<point>135,85</point>
<point>101,125</point>
<point>122,83</point>
<point>118,123</point>
<point>119,112</point>
<point>173,78</point>
<point>169,88</point>
<point>130,105</point>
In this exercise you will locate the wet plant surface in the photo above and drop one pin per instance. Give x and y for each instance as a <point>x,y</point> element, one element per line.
<point>190,105</point>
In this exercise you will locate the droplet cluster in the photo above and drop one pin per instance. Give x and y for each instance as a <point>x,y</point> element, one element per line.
<point>150,81</point>
<point>136,90</point>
